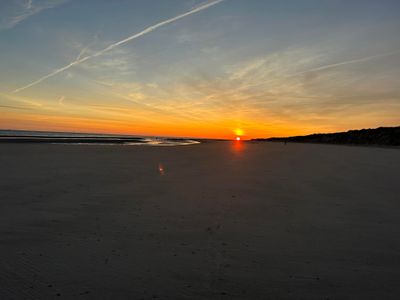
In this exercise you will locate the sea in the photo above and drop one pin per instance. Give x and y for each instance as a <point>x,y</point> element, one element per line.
<point>50,137</point>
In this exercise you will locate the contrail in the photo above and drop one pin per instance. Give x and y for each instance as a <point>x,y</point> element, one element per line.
<point>149,29</point>
<point>81,53</point>
<point>86,48</point>
<point>347,62</point>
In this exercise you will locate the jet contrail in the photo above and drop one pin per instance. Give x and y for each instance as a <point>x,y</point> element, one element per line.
<point>81,53</point>
<point>149,29</point>
<point>353,61</point>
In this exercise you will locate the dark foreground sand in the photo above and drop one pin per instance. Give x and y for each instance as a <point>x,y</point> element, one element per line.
<point>224,221</point>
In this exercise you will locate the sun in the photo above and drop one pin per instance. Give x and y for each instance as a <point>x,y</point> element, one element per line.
<point>238,132</point>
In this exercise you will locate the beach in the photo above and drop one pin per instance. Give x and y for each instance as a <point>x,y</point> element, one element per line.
<point>215,220</point>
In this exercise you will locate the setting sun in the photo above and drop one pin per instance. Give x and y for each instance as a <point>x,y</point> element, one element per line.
<point>238,138</point>
<point>238,132</point>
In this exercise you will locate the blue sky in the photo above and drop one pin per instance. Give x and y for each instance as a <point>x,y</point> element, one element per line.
<point>267,67</point>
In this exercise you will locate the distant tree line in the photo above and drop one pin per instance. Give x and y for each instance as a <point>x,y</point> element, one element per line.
<point>388,136</point>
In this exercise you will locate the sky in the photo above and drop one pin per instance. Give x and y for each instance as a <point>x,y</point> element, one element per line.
<point>196,68</point>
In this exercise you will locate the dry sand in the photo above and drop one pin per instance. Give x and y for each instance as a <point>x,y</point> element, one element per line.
<point>219,221</point>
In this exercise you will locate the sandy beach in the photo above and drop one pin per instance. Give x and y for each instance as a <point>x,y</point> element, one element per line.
<point>218,220</point>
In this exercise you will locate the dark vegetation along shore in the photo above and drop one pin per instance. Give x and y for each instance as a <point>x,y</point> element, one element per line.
<point>385,136</point>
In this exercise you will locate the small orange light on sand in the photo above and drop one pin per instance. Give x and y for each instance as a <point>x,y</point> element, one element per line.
<point>161,169</point>
<point>238,138</point>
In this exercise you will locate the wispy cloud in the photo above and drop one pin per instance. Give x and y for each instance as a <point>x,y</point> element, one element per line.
<point>348,62</point>
<point>263,90</point>
<point>61,100</point>
<point>15,12</point>
<point>117,65</point>
<point>85,49</point>
<point>9,99</point>
<point>119,43</point>
<point>14,107</point>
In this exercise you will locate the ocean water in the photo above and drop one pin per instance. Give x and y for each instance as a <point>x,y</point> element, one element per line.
<point>23,136</point>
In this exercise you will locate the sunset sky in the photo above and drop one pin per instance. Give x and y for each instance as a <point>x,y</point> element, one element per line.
<point>199,68</point>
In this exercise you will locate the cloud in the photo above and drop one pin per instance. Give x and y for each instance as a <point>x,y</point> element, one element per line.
<point>119,43</point>
<point>118,64</point>
<point>61,100</point>
<point>15,12</point>
<point>10,100</point>
<point>14,107</point>
<point>348,62</point>
<point>263,91</point>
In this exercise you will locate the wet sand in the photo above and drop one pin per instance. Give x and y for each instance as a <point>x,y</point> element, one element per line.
<point>218,220</point>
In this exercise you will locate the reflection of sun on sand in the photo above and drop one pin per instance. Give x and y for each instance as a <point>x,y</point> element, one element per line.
<point>238,146</point>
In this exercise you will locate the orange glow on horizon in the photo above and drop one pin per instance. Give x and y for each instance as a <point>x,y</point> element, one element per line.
<point>168,127</point>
